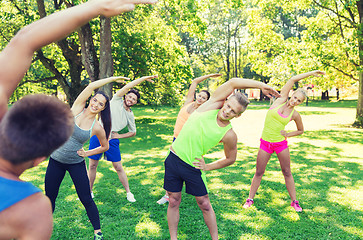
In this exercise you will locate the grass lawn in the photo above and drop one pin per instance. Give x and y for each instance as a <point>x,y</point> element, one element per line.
<point>326,164</point>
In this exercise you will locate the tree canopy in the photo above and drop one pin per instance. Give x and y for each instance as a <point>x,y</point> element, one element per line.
<point>268,40</point>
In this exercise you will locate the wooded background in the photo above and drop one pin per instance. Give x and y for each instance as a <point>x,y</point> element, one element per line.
<point>267,40</point>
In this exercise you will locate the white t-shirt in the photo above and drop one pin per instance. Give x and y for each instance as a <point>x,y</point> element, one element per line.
<point>120,117</point>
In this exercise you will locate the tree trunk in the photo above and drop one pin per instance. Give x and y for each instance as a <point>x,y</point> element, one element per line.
<point>106,62</point>
<point>359,117</point>
<point>89,55</point>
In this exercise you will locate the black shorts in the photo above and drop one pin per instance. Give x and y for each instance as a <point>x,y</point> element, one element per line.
<point>177,172</point>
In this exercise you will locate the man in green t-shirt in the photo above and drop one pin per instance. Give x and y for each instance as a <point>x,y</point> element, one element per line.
<point>205,128</point>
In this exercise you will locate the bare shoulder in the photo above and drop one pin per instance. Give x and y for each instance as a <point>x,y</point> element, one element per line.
<point>230,138</point>
<point>30,218</point>
<point>296,115</point>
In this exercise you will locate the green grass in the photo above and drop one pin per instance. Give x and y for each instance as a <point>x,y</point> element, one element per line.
<point>326,165</point>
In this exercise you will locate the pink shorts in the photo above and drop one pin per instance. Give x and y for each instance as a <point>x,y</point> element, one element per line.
<point>271,147</point>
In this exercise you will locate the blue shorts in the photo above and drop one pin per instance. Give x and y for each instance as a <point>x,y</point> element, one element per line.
<point>112,154</point>
<point>177,172</point>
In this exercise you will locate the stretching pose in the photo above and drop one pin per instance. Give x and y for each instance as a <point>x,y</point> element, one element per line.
<point>70,156</point>
<point>188,108</point>
<point>36,125</point>
<point>274,137</point>
<point>205,128</point>
<point>121,116</point>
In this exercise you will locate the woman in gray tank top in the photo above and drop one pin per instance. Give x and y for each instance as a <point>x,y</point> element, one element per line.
<point>70,156</point>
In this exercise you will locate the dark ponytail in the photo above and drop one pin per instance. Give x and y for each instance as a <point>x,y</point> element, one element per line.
<point>106,114</point>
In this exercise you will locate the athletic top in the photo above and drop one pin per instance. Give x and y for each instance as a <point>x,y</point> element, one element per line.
<point>120,117</point>
<point>200,133</point>
<point>67,153</point>
<point>274,123</point>
<point>183,116</point>
<point>12,191</point>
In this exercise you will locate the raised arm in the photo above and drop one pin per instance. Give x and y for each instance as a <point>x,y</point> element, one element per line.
<point>193,86</point>
<point>227,88</point>
<point>16,57</point>
<point>132,84</point>
<point>290,83</point>
<point>80,101</point>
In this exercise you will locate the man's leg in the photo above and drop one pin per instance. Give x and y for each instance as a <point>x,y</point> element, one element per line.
<point>121,175</point>
<point>208,214</point>
<point>92,171</point>
<point>173,213</point>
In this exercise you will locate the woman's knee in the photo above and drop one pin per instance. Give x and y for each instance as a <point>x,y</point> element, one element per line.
<point>286,172</point>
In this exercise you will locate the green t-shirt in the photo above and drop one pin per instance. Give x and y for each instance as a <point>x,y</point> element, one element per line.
<point>200,133</point>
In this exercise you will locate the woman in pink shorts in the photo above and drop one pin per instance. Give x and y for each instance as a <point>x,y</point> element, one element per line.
<point>274,137</point>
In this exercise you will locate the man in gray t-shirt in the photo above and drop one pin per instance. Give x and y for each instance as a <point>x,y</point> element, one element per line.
<point>121,116</point>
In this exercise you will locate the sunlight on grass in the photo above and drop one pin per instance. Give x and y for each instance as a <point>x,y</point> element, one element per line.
<point>291,216</point>
<point>350,197</point>
<point>351,230</point>
<point>320,209</point>
<point>147,228</point>
<point>249,236</point>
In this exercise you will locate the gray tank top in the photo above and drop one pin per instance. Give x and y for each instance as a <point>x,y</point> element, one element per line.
<point>67,153</point>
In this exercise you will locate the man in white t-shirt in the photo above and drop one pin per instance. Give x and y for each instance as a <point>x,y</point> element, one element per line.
<point>121,116</point>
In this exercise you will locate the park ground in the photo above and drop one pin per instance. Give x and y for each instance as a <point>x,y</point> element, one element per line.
<point>326,164</point>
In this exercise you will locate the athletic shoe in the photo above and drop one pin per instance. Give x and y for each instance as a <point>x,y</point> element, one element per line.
<point>163,200</point>
<point>98,236</point>
<point>296,206</point>
<point>248,203</point>
<point>130,197</point>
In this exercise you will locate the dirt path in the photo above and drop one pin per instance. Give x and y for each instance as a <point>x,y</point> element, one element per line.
<point>249,126</point>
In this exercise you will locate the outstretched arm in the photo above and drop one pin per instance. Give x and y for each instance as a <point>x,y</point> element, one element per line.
<point>290,83</point>
<point>16,57</point>
<point>193,86</point>
<point>227,88</point>
<point>132,84</point>
<point>80,101</point>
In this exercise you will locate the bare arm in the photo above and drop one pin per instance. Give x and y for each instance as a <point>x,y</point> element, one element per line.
<point>132,84</point>
<point>227,88</point>
<point>29,219</point>
<point>193,86</point>
<point>290,83</point>
<point>123,135</point>
<point>104,144</point>
<point>80,102</point>
<point>230,151</point>
<point>16,57</point>
<point>299,125</point>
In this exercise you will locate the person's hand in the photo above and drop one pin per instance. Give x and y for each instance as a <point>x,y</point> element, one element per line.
<point>120,79</point>
<point>82,153</point>
<point>114,135</point>
<point>318,73</point>
<point>149,78</point>
<point>110,8</point>
<point>269,91</point>
<point>214,75</point>
<point>200,164</point>
<point>283,133</point>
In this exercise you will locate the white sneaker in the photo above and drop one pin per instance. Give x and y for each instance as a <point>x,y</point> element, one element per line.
<point>163,200</point>
<point>130,197</point>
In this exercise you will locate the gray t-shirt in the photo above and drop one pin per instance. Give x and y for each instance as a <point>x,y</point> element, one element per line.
<point>120,117</point>
<point>67,153</point>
